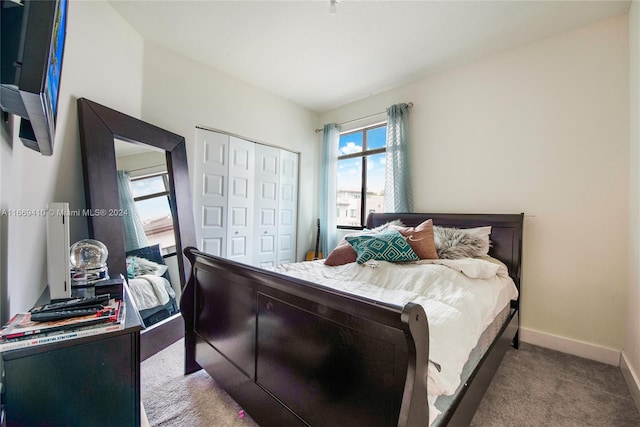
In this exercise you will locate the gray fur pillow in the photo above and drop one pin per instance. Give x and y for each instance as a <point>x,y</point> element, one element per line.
<point>456,243</point>
<point>141,266</point>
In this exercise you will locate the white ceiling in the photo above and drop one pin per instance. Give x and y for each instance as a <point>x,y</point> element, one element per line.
<point>296,49</point>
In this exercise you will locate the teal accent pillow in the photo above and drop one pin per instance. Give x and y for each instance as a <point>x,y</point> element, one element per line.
<point>131,267</point>
<point>387,246</point>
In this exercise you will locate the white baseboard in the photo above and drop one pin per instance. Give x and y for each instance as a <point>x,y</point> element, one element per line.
<point>631,378</point>
<point>601,354</point>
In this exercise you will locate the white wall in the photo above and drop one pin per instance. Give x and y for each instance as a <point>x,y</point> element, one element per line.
<point>542,129</point>
<point>102,62</point>
<point>180,94</point>
<point>107,62</point>
<point>631,352</point>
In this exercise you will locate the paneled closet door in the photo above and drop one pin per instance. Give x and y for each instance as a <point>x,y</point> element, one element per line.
<point>267,190</point>
<point>287,207</point>
<point>211,170</point>
<point>245,199</point>
<point>240,201</point>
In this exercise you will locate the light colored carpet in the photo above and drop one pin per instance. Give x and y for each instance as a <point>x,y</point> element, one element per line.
<point>533,387</point>
<point>539,387</point>
<point>171,398</point>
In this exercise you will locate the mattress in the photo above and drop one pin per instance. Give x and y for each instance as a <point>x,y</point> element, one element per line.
<point>443,403</point>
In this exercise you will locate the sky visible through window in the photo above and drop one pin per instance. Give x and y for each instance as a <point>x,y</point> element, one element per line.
<point>350,171</point>
<point>151,208</point>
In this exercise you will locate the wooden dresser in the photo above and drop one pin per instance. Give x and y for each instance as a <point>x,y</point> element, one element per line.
<point>88,381</point>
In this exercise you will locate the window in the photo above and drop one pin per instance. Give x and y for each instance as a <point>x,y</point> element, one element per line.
<point>151,197</point>
<point>361,170</point>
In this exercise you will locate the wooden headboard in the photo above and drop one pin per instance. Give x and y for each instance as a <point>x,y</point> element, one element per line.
<point>506,232</point>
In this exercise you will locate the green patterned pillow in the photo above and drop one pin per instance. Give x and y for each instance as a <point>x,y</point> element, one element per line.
<point>387,246</point>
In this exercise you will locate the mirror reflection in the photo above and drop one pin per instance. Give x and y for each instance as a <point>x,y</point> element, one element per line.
<point>149,238</point>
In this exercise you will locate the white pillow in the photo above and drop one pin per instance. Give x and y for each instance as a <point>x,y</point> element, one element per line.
<point>483,233</point>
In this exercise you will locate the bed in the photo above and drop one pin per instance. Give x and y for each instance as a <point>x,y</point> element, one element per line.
<point>292,351</point>
<point>149,283</point>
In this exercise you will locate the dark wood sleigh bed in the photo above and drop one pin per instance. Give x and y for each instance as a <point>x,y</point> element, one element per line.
<point>291,352</point>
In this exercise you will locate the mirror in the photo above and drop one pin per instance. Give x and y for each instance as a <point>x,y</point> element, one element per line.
<point>143,171</point>
<point>101,131</point>
<point>149,238</point>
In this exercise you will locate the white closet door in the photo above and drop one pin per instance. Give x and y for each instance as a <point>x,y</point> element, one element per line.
<point>266,205</point>
<point>210,191</point>
<point>287,207</point>
<point>240,200</point>
<point>245,199</point>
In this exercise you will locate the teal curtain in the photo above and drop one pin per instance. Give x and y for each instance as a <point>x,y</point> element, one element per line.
<point>134,237</point>
<point>398,194</point>
<point>328,186</point>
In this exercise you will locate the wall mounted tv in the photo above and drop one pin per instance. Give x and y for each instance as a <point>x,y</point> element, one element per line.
<point>32,45</point>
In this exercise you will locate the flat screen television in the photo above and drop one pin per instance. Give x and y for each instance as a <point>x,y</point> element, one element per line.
<point>32,42</point>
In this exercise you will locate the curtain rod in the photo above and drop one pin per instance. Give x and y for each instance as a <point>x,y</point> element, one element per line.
<point>408,104</point>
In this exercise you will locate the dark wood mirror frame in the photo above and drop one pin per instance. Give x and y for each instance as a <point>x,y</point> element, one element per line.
<point>99,125</point>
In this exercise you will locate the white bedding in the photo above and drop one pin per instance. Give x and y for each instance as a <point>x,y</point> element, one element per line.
<point>460,298</point>
<point>150,291</point>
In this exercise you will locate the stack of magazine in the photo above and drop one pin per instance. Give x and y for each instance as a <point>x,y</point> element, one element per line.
<point>23,330</point>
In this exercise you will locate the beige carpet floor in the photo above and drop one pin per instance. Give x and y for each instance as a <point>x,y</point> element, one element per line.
<point>533,387</point>
<point>171,398</point>
<point>539,387</point>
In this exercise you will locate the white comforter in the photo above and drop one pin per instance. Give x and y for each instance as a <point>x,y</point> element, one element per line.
<point>150,291</point>
<point>460,298</point>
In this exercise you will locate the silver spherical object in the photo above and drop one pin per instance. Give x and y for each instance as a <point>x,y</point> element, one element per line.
<point>88,253</point>
<point>88,259</point>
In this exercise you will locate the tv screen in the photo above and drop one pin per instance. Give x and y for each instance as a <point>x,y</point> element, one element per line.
<point>33,39</point>
<point>52,82</point>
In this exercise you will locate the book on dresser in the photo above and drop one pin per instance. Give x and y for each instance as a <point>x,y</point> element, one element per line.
<point>21,331</point>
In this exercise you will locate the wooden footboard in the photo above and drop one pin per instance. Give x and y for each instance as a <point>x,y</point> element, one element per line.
<point>291,353</point>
